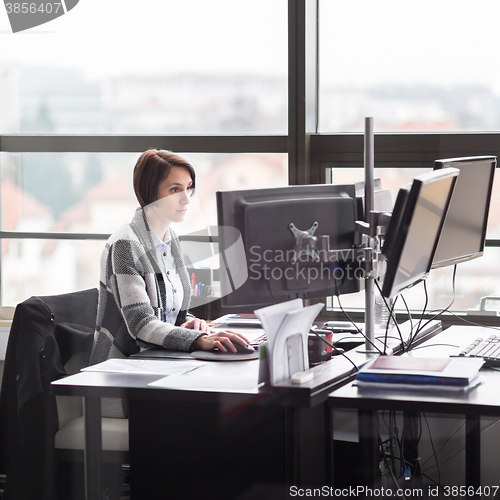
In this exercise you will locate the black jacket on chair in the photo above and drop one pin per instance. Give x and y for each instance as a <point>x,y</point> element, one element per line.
<point>45,333</point>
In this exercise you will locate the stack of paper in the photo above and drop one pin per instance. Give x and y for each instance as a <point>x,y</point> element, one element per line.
<point>407,372</point>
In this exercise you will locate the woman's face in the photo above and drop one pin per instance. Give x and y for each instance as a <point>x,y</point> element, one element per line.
<point>174,194</point>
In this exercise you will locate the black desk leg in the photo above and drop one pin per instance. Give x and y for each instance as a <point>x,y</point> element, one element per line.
<point>292,445</point>
<point>368,440</point>
<point>93,446</point>
<point>473,452</point>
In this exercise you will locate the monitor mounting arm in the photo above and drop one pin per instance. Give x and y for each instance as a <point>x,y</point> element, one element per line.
<point>366,249</point>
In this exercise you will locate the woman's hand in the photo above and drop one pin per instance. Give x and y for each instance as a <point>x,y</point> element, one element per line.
<point>221,340</point>
<point>197,324</point>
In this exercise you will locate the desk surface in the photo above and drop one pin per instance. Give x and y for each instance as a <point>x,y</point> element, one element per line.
<point>207,382</point>
<point>481,400</point>
<point>216,380</point>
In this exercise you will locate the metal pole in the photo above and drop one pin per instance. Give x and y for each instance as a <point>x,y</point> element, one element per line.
<point>369,282</point>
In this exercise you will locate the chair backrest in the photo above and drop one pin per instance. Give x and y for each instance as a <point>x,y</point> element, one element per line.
<point>46,333</point>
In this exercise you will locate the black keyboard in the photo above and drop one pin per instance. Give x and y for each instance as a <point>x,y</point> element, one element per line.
<point>487,349</point>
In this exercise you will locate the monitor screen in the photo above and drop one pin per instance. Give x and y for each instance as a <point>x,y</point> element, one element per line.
<point>264,217</point>
<point>464,229</point>
<point>414,229</point>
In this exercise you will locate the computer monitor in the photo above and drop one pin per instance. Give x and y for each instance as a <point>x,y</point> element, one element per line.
<point>264,218</point>
<point>382,198</point>
<point>464,229</point>
<point>414,229</point>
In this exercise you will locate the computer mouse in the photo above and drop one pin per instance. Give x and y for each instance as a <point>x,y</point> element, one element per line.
<point>240,349</point>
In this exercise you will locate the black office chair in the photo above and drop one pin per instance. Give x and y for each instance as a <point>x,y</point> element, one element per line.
<point>50,338</point>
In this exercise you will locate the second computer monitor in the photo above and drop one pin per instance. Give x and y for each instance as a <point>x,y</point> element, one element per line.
<point>414,229</point>
<point>464,229</point>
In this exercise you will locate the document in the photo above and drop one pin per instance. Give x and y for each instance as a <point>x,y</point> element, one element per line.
<point>273,316</point>
<point>207,383</point>
<point>242,320</point>
<point>287,326</point>
<point>145,366</point>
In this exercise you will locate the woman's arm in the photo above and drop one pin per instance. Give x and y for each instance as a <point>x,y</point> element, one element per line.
<point>133,283</point>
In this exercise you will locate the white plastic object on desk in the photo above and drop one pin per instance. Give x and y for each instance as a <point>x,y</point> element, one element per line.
<point>302,377</point>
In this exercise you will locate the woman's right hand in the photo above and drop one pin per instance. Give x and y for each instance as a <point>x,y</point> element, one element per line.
<point>221,340</point>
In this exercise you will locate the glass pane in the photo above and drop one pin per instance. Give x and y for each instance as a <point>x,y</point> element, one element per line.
<point>425,67</point>
<point>475,279</point>
<point>85,192</point>
<point>47,267</point>
<point>92,193</point>
<point>394,178</point>
<point>391,178</point>
<point>167,67</point>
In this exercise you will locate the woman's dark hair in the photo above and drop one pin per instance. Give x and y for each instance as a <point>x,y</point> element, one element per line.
<point>152,167</point>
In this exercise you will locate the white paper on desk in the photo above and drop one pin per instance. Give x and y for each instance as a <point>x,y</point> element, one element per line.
<point>235,320</point>
<point>272,318</point>
<point>289,353</point>
<point>145,366</point>
<point>206,383</point>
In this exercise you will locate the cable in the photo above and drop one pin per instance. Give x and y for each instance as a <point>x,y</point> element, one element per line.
<point>442,311</point>
<point>388,466</point>
<point>356,326</point>
<point>463,447</point>
<point>445,443</point>
<point>391,317</point>
<point>407,346</point>
<point>410,438</point>
<point>392,438</point>
<point>433,449</point>
<point>426,303</point>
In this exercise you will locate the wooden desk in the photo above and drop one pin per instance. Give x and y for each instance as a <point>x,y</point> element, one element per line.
<point>210,440</point>
<point>192,438</point>
<point>481,400</point>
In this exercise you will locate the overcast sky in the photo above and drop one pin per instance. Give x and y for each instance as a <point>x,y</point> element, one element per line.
<point>363,42</point>
<point>119,36</point>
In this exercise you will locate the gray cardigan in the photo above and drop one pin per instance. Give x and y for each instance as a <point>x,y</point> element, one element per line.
<point>132,296</point>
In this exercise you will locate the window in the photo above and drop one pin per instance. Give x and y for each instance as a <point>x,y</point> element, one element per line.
<point>165,67</point>
<point>415,67</point>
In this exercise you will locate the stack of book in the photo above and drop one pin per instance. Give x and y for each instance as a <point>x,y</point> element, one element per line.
<point>415,372</point>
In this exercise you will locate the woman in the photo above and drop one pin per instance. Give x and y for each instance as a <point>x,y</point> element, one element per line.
<point>145,291</point>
